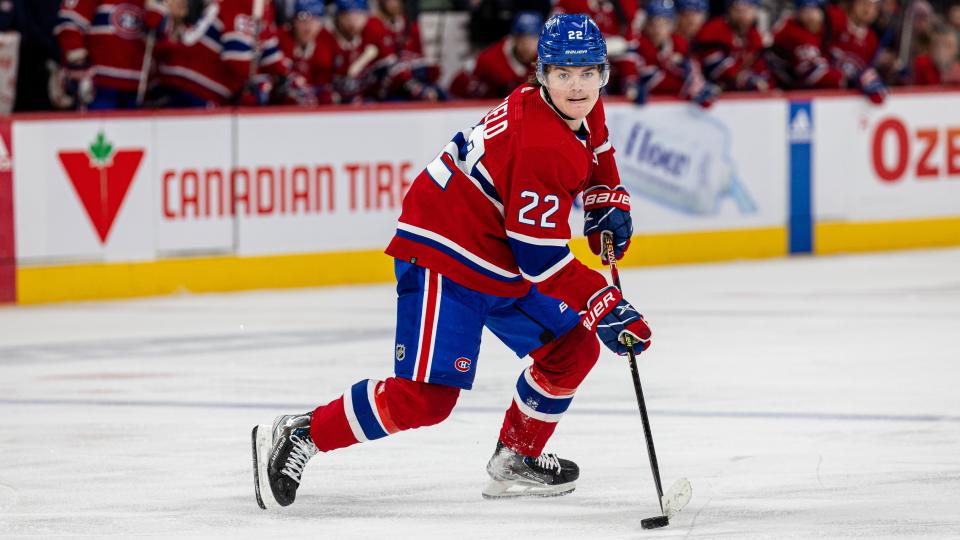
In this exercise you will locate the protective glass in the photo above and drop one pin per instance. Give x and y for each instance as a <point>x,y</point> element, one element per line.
<point>568,78</point>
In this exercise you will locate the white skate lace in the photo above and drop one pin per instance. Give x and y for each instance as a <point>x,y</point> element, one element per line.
<point>548,461</point>
<point>303,450</point>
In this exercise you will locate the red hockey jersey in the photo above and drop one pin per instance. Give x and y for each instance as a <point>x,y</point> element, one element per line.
<point>345,53</point>
<point>496,72</point>
<point>212,58</point>
<point>925,71</point>
<point>727,58</point>
<point>312,61</point>
<point>851,46</point>
<point>491,211</point>
<point>799,58</point>
<point>398,37</point>
<point>112,33</point>
<point>664,70</point>
<point>499,69</point>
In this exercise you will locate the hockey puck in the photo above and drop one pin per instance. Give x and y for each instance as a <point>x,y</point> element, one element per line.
<point>655,522</point>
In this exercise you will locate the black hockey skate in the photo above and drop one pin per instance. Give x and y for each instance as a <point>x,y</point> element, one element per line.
<point>279,456</point>
<point>514,475</point>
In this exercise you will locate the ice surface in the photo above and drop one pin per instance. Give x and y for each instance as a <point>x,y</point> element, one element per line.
<point>803,398</point>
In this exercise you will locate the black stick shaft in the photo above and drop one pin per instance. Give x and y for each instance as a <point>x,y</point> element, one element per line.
<point>635,373</point>
<point>647,434</point>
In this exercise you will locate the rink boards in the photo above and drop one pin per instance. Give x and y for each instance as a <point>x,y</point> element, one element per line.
<point>107,206</point>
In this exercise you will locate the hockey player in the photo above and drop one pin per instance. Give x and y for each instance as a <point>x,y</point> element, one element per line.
<point>691,14</point>
<point>941,65</point>
<point>400,36</point>
<point>800,56</point>
<point>505,65</point>
<point>189,70</point>
<point>854,44</point>
<point>730,49</point>
<point>665,65</point>
<point>482,241</point>
<point>312,62</point>
<point>104,42</point>
<point>221,53</point>
<point>403,73</point>
<point>855,40</point>
<point>353,49</point>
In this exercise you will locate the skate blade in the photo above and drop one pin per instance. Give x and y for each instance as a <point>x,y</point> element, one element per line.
<point>677,497</point>
<point>497,489</point>
<point>262,440</point>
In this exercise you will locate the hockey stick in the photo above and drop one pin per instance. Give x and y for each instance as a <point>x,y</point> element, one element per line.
<point>146,67</point>
<point>906,38</point>
<point>681,491</point>
<point>256,15</point>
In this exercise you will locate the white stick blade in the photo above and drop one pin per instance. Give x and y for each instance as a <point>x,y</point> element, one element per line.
<point>677,497</point>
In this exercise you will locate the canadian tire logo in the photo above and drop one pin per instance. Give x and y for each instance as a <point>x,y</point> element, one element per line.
<point>101,176</point>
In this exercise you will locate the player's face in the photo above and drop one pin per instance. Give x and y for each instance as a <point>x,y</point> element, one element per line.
<point>689,22</point>
<point>864,12</point>
<point>178,9</point>
<point>742,15</point>
<point>574,90</point>
<point>305,28</point>
<point>525,48</point>
<point>351,23</point>
<point>943,50</point>
<point>659,29</point>
<point>392,8</point>
<point>811,18</point>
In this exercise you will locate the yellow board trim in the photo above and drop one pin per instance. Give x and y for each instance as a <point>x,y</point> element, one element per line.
<point>843,237</point>
<point>202,274</point>
<point>694,247</point>
<point>229,273</point>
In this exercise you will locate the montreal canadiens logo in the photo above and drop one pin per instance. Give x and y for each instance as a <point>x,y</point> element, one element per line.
<point>463,364</point>
<point>126,21</point>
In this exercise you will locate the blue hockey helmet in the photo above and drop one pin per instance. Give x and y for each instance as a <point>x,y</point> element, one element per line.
<point>352,5</point>
<point>800,4</point>
<point>571,40</point>
<point>692,5</point>
<point>314,8</point>
<point>527,23</point>
<point>661,8</point>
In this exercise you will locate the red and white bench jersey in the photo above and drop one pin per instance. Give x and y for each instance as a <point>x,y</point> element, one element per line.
<point>112,32</point>
<point>851,44</point>
<point>211,59</point>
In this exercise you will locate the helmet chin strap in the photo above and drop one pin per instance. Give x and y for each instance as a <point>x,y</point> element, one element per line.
<point>546,96</point>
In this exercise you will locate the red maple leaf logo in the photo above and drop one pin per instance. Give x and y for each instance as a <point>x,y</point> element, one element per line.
<point>101,176</point>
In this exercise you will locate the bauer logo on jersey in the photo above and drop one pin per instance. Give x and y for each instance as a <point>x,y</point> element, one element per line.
<point>463,364</point>
<point>401,351</point>
<point>680,159</point>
